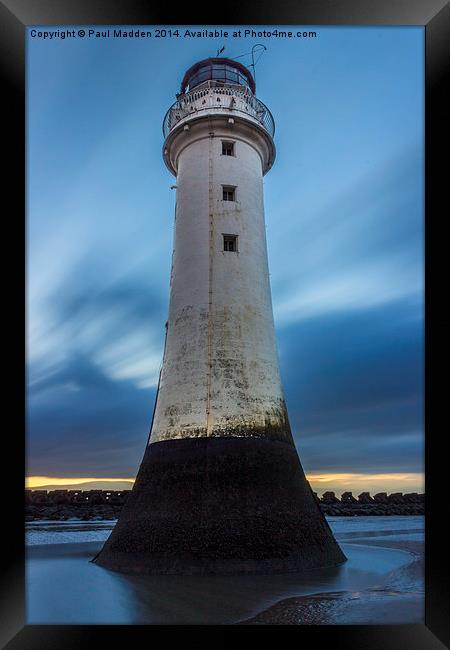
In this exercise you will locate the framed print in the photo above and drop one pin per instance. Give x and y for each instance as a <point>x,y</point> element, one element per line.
<point>229,324</point>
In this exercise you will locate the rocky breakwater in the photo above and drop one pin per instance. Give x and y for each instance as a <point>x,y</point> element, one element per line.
<point>381,504</point>
<point>60,505</point>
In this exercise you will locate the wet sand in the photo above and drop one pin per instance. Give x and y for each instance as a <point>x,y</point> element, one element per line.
<point>399,601</point>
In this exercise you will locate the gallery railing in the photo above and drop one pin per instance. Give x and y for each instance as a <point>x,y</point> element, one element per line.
<point>212,96</point>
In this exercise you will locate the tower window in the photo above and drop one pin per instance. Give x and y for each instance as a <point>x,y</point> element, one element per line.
<point>227,148</point>
<point>230,243</point>
<point>229,193</point>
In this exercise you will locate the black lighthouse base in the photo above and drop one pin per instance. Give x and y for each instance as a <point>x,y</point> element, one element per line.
<point>220,506</point>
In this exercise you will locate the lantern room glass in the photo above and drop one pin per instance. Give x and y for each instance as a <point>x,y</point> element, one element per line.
<point>225,73</point>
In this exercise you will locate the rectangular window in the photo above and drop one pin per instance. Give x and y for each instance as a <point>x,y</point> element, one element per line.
<point>229,193</point>
<point>230,243</point>
<point>227,148</point>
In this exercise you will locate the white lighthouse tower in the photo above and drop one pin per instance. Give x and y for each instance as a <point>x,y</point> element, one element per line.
<point>220,488</point>
<point>220,374</point>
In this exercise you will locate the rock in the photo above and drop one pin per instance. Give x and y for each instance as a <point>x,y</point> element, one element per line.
<point>395,497</point>
<point>329,497</point>
<point>347,497</point>
<point>411,497</point>
<point>365,497</point>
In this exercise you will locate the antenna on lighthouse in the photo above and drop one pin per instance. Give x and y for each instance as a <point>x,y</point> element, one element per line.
<point>253,63</point>
<point>221,50</point>
<point>252,54</point>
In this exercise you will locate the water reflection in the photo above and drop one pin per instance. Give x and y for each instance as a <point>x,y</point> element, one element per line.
<point>65,587</point>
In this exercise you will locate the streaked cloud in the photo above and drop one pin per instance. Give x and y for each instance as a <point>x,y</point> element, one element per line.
<point>363,286</point>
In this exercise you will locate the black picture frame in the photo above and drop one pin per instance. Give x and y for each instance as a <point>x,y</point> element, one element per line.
<point>15,17</point>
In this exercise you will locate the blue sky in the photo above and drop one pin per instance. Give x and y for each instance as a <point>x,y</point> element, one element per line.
<point>344,213</point>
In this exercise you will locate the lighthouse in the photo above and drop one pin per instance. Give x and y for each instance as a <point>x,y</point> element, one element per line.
<point>220,488</point>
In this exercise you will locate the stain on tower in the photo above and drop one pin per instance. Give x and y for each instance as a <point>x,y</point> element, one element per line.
<point>220,488</point>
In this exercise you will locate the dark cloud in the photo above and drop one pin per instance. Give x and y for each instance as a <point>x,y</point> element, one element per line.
<point>354,384</point>
<point>83,423</point>
<point>81,420</point>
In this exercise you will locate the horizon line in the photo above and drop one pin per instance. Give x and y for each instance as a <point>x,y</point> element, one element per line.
<point>343,482</point>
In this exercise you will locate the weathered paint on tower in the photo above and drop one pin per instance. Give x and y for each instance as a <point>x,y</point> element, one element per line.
<point>220,372</point>
<point>220,488</point>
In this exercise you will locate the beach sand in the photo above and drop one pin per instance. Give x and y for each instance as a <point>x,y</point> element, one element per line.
<point>400,600</point>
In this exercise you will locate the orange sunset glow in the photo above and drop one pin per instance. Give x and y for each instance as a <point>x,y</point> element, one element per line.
<point>320,483</point>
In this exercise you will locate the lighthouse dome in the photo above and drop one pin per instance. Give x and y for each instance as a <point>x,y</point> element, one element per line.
<point>217,69</point>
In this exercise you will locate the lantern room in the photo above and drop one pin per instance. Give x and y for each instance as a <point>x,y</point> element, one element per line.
<point>218,69</point>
